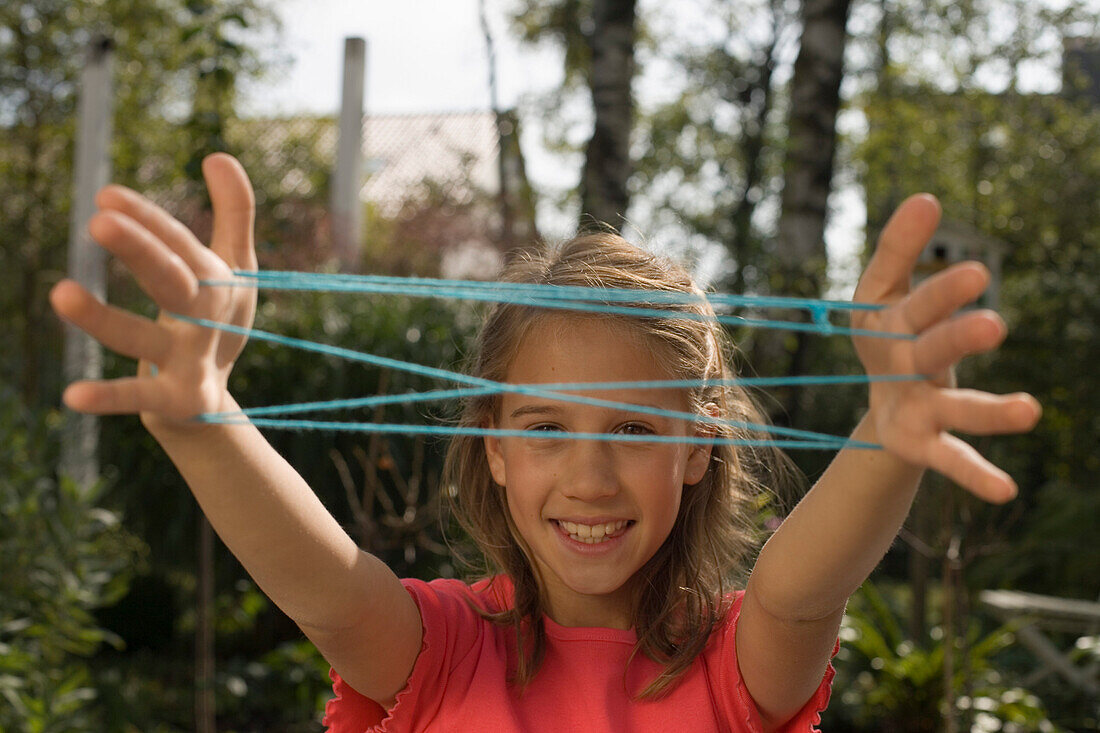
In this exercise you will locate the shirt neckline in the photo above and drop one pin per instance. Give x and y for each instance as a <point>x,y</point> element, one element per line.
<point>587,633</point>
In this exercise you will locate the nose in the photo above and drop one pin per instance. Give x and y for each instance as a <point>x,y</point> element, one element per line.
<point>590,473</point>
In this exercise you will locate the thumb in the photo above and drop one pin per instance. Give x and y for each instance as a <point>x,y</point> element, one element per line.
<point>234,210</point>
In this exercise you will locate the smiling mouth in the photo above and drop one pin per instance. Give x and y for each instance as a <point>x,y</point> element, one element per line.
<point>592,534</point>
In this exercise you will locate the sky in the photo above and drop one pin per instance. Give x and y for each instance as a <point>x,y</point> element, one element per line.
<point>422,55</point>
<point>430,56</point>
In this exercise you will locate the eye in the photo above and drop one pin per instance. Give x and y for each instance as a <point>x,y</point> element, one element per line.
<point>635,428</point>
<point>545,428</point>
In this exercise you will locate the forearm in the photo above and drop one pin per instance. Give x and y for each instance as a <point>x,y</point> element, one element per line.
<point>837,534</point>
<point>270,519</point>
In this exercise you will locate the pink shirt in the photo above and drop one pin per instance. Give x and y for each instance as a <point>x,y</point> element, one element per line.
<point>460,679</point>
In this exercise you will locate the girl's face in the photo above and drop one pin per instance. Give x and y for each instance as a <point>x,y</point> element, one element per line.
<point>591,512</point>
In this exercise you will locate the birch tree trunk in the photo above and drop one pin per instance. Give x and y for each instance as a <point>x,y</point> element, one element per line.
<point>808,168</point>
<point>758,106</point>
<point>607,166</point>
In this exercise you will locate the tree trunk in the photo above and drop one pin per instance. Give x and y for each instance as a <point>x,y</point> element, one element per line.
<point>759,107</point>
<point>205,710</point>
<point>808,170</point>
<point>505,127</point>
<point>919,567</point>
<point>607,166</point>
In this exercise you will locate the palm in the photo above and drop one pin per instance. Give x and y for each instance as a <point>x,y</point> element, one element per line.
<point>192,362</point>
<point>912,419</point>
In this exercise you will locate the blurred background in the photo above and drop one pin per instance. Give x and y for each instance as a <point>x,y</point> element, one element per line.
<point>764,142</point>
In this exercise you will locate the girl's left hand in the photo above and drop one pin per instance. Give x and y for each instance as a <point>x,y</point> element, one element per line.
<point>912,419</point>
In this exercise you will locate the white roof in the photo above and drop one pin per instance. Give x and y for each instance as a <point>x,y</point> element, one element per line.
<point>401,153</point>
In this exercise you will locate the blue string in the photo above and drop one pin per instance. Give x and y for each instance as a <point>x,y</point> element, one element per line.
<point>532,391</point>
<point>288,280</point>
<point>599,300</point>
<point>440,395</point>
<point>569,298</point>
<point>833,443</point>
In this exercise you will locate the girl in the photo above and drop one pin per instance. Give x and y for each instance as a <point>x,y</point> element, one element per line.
<point>609,609</point>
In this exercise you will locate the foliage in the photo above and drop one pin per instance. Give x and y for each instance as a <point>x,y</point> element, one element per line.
<point>1018,166</point>
<point>42,51</point>
<point>888,682</point>
<point>259,650</point>
<point>712,153</point>
<point>565,23</point>
<point>62,556</point>
<point>260,694</point>
<point>440,228</point>
<point>260,684</point>
<point>1028,180</point>
<point>421,331</point>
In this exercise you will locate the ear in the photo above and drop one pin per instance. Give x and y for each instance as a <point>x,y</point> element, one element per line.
<point>697,464</point>
<point>699,459</point>
<point>495,457</point>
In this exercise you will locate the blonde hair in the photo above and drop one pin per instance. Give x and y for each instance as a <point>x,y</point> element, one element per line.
<point>688,578</point>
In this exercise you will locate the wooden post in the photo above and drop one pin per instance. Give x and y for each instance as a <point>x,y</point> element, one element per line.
<point>952,625</point>
<point>347,210</point>
<point>205,701</point>
<point>83,357</point>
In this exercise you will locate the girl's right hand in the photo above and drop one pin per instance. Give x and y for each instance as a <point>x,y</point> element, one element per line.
<point>192,362</point>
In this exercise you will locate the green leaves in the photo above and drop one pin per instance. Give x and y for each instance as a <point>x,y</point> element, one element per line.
<point>889,682</point>
<point>62,557</point>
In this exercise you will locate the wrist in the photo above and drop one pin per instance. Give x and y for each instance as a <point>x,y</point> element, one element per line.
<point>166,430</point>
<point>867,431</point>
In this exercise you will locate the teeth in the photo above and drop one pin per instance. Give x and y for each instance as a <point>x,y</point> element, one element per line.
<point>592,533</point>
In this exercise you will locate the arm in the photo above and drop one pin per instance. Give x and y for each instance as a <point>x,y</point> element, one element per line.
<point>347,601</point>
<point>841,529</point>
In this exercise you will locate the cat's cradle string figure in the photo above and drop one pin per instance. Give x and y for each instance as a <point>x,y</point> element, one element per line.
<point>611,515</point>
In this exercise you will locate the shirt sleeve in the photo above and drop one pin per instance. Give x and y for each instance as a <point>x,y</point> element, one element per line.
<point>448,635</point>
<point>740,707</point>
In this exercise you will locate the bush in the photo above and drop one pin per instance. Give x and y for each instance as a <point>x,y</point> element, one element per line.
<point>887,682</point>
<point>62,557</point>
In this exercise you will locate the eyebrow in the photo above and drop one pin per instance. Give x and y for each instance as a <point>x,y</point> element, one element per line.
<point>534,410</point>
<point>553,409</point>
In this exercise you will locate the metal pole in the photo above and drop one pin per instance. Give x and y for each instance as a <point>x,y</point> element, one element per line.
<point>347,210</point>
<point>83,357</point>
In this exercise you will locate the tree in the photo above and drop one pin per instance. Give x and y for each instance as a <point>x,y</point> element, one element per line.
<point>710,157</point>
<point>598,39</point>
<point>607,164</point>
<point>811,148</point>
<point>41,49</point>
<point>1016,165</point>
<point>800,258</point>
<point>41,52</point>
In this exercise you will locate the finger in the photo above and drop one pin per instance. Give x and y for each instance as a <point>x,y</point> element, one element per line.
<point>960,462</point>
<point>902,239</point>
<point>160,223</point>
<point>946,343</point>
<point>982,413</point>
<point>941,295</point>
<point>162,273</point>
<point>125,396</point>
<point>234,210</point>
<point>118,330</point>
